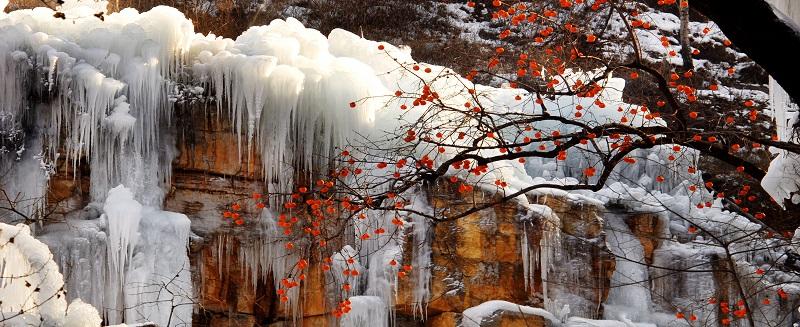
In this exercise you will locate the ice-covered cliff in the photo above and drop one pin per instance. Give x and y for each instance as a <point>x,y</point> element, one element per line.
<point>109,97</point>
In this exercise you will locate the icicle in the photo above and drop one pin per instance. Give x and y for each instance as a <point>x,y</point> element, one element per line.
<point>376,254</point>
<point>279,84</point>
<point>527,259</point>
<point>544,253</point>
<point>77,257</point>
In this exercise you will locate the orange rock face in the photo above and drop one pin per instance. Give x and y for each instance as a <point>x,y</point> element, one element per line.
<point>646,228</point>
<point>475,259</point>
<point>208,145</point>
<point>478,258</point>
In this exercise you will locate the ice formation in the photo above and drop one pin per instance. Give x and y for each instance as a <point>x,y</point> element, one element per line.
<point>123,214</point>
<point>106,90</point>
<point>281,85</point>
<point>158,284</point>
<point>138,252</point>
<point>543,253</point>
<point>629,297</point>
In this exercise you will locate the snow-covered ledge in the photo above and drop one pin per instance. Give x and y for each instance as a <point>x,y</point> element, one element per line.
<point>32,288</point>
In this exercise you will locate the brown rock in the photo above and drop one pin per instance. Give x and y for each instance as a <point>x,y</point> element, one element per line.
<point>478,258</point>
<point>312,321</point>
<point>577,219</point>
<point>513,319</point>
<point>232,293</point>
<point>646,227</point>
<point>233,321</point>
<point>314,292</point>
<point>207,144</point>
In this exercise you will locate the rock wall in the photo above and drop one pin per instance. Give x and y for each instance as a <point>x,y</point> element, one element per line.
<point>475,259</point>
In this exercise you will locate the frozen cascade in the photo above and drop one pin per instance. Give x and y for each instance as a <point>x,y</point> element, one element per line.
<point>376,254</point>
<point>79,249</point>
<point>25,176</point>
<point>527,257</point>
<point>778,181</point>
<point>342,260</point>
<point>280,262</point>
<point>629,296</point>
<point>103,95</point>
<point>158,286</point>
<point>784,110</point>
<point>139,253</point>
<point>261,256</point>
<point>280,85</point>
<point>149,277</point>
<point>122,214</point>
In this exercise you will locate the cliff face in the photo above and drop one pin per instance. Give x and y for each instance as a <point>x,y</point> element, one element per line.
<point>547,252</point>
<point>497,254</point>
<point>473,260</point>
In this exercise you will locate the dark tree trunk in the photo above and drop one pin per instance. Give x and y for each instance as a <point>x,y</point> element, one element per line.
<point>686,39</point>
